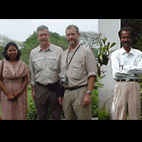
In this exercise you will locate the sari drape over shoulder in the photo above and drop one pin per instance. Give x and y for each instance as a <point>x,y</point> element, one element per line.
<point>13,75</point>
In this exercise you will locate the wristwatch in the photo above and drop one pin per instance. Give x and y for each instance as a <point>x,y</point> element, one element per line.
<point>89,92</point>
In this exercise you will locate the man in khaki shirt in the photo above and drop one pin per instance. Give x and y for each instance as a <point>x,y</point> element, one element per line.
<point>44,78</point>
<point>78,66</point>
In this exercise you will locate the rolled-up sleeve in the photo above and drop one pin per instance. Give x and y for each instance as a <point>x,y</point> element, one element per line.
<point>91,65</point>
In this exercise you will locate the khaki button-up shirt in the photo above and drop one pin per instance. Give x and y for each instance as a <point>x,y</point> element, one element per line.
<point>82,66</point>
<point>45,65</point>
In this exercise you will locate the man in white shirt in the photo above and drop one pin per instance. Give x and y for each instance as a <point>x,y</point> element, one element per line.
<point>126,69</point>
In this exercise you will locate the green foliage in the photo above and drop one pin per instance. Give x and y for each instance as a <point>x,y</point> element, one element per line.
<point>32,42</point>
<point>104,52</point>
<point>58,40</point>
<point>95,103</point>
<point>31,111</point>
<point>1,52</point>
<point>103,114</point>
<point>138,44</point>
<point>95,51</point>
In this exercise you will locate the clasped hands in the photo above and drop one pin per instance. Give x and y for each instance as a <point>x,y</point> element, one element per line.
<point>12,96</point>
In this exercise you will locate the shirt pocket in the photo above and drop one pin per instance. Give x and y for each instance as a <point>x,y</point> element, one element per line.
<point>77,70</point>
<point>54,64</point>
<point>38,64</point>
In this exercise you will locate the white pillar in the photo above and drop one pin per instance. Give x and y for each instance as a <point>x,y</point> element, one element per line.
<point>108,28</point>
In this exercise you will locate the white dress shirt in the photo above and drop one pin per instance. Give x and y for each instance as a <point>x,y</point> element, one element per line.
<point>126,65</point>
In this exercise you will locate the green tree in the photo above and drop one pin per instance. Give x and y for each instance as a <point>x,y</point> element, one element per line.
<point>32,42</point>
<point>58,40</point>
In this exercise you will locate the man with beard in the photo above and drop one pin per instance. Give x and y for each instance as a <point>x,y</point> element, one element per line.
<point>126,69</point>
<point>78,75</point>
<point>44,79</point>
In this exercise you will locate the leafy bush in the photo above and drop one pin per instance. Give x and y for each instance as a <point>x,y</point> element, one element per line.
<point>103,114</point>
<point>31,111</point>
<point>95,103</point>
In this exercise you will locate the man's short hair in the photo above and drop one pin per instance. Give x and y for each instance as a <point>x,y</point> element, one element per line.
<point>70,26</point>
<point>126,29</point>
<point>42,27</point>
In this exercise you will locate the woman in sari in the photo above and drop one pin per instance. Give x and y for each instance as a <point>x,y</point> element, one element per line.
<point>14,84</point>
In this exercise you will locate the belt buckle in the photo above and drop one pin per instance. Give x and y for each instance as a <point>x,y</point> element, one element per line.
<point>127,79</point>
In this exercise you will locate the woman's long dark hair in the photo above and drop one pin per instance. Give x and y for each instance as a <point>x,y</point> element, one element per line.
<point>6,48</point>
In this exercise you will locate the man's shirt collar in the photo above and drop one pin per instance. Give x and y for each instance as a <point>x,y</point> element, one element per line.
<point>123,51</point>
<point>50,48</point>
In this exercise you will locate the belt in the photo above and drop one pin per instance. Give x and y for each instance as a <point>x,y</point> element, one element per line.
<point>51,87</point>
<point>127,80</point>
<point>74,88</point>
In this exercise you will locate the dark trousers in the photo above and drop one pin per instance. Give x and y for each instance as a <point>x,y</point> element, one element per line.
<point>45,95</point>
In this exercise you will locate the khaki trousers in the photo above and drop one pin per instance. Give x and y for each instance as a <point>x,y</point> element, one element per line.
<point>73,105</point>
<point>126,94</point>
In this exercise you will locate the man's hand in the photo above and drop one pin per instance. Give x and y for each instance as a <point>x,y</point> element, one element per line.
<point>60,100</point>
<point>33,92</point>
<point>87,99</point>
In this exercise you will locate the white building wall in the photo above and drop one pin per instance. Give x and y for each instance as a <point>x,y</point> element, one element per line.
<point>108,28</point>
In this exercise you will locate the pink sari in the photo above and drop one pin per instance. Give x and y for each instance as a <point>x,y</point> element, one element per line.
<point>13,78</point>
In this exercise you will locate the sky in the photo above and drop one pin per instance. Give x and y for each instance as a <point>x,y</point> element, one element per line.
<point>21,29</point>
